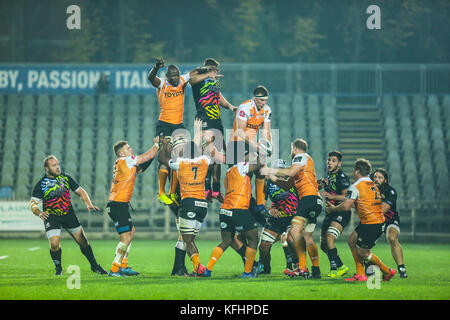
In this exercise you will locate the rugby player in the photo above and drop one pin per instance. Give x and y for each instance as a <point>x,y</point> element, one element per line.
<point>53,191</point>
<point>170,91</point>
<point>284,206</point>
<point>309,207</point>
<point>235,215</point>
<point>126,167</point>
<point>192,168</point>
<point>252,115</point>
<point>367,199</point>
<point>335,186</point>
<point>392,219</point>
<point>208,99</point>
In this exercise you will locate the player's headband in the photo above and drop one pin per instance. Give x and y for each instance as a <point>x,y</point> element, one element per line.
<point>262,97</point>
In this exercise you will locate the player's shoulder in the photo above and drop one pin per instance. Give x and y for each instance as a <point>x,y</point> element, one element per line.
<point>246,105</point>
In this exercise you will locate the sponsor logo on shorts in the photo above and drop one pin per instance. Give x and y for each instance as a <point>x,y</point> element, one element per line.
<point>312,214</point>
<point>226,212</point>
<point>190,214</point>
<point>339,218</point>
<point>239,228</point>
<point>201,204</point>
<point>223,225</point>
<point>47,225</point>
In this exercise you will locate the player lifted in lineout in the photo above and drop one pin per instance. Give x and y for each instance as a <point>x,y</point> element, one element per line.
<point>53,191</point>
<point>208,100</point>
<point>126,167</point>
<point>171,92</point>
<point>309,207</point>
<point>366,197</point>
<point>252,115</point>
<point>335,186</point>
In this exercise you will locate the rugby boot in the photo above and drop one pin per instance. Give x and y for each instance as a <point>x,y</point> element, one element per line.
<point>58,271</point>
<point>175,199</point>
<point>342,270</point>
<point>248,275</point>
<point>163,198</point>
<point>315,272</point>
<point>333,274</point>
<point>116,274</point>
<point>402,273</point>
<point>257,267</point>
<point>387,277</point>
<point>357,277</point>
<point>207,273</point>
<point>217,195</point>
<point>129,272</point>
<point>304,273</point>
<point>200,270</point>
<point>98,269</point>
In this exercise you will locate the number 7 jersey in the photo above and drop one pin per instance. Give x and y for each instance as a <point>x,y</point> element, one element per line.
<point>367,201</point>
<point>191,176</point>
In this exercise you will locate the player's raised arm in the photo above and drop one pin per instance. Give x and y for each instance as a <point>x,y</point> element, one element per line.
<point>154,80</point>
<point>199,74</point>
<point>150,154</point>
<point>288,172</point>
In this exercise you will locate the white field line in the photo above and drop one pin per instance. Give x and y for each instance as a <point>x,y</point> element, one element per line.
<point>34,248</point>
<point>3,257</point>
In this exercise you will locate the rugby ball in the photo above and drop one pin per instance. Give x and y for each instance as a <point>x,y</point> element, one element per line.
<point>266,146</point>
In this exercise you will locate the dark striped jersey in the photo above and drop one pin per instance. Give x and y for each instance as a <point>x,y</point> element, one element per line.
<point>285,201</point>
<point>336,183</point>
<point>55,193</point>
<point>206,97</point>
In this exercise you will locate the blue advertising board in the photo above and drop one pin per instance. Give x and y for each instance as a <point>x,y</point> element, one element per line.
<point>74,79</point>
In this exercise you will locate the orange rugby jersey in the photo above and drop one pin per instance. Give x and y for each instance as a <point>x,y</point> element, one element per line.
<point>305,180</point>
<point>123,179</point>
<point>237,187</point>
<point>253,118</point>
<point>191,176</point>
<point>171,100</point>
<point>367,201</point>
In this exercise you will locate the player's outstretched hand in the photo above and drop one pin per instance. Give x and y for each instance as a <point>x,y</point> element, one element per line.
<point>43,215</point>
<point>92,207</point>
<point>197,124</point>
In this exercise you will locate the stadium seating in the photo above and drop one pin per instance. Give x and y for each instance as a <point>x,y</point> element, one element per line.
<point>80,130</point>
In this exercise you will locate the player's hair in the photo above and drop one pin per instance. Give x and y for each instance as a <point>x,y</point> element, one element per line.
<point>384,173</point>
<point>336,154</point>
<point>211,62</point>
<point>300,144</point>
<point>363,166</point>
<point>119,145</point>
<point>261,91</point>
<point>48,158</point>
<point>172,67</point>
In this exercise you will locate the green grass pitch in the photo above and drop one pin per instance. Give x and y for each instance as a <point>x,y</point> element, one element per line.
<point>26,274</point>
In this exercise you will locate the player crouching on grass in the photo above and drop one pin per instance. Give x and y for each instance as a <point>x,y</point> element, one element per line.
<point>366,197</point>
<point>126,167</point>
<point>53,190</point>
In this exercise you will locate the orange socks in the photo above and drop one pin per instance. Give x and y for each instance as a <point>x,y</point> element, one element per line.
<point>359,266</point>
<point>250,255</point>
<point>124,263</point>
<point>301,252</point>
<point>115,267</point>
<point>313,253</point>
<point>375,260</point>
<point>195,258</point>
<point>173,182</point>
<point>162,177</point>
<point>216,254</point>
<point>260,196</point>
